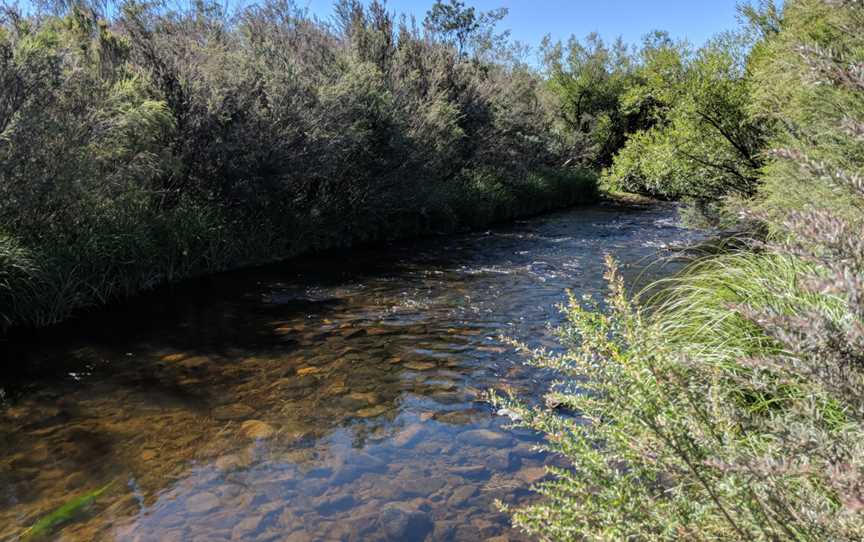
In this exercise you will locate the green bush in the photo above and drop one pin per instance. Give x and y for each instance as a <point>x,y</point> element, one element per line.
<point>146,144</point>
<point>730,405</point>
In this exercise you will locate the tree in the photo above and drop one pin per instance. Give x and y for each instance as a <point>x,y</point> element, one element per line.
<point>453,21</point>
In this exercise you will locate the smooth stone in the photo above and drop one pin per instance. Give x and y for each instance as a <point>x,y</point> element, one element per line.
<point>409,436</point>
<point>306,371</point>
<point>335,504</point>
<point>366,462</point>
<point>372,411</point>
<point>232,462</point>
<point>299,536</point>
<point>194,362</point>
<point>357,465</point>
<point>531,475</point>
<point>472,472</point>
<point>370,398</point>
<point>402,488</point>
<point>485,437</point>
<point>456,417</point>
<point>256,429</point>
<point>461,495</point>
<point>201,503</point>
<point>527,451</point>
<point>231,412</point>
<point>503,461</point>
<point>420,365</point>
<point>444,531</point>
<point>401,523</point>
<point>148,455</point>
<point>247,527</point>
<point>173,358</point>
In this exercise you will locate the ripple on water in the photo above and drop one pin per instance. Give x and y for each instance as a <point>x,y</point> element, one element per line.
<point>315,400</point>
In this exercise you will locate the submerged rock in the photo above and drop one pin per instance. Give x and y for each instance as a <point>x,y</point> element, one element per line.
<point>420,365</point>
<point>409,436</point>
<point>247,527</point>
<point>461,495</point>
<point>202,503</point>
<point>256,429</point>
<point>372,412</point>
<point>335,504</point>
<point>398,522</point>
<point>485,437</point>
<point>472,472</point>
<point>236,411</point>
<point>532,475</point>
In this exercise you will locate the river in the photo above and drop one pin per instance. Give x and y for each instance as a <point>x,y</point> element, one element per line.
<point>335,397</point>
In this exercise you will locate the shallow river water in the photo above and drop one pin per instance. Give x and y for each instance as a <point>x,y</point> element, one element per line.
<point>337,397</point>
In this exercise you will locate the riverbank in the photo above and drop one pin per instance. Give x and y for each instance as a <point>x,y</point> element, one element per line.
<point>110,260</point>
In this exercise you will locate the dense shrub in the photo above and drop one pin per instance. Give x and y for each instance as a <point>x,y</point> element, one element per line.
<point>146,143</point>
<point>731,405</point>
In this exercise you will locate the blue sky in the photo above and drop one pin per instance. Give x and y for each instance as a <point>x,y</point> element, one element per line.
<point>530,20</point>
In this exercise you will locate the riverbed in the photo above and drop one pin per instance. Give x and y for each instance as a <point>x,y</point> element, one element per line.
<point>335,397</point>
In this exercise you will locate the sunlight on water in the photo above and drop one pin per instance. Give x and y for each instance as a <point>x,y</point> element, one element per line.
<point>329,398</point>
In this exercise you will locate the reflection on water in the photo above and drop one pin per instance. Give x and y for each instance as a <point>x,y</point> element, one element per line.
<point>330,398</point>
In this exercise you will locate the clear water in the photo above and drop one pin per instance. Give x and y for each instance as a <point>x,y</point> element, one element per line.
<point>329,398</point>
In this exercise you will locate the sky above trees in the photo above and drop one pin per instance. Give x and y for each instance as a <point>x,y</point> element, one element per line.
<point>530,20</point>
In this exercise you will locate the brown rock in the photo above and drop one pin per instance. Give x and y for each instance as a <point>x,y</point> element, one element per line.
<point>461,495</point>
<point>531,475</point>
<point>372,411</point>
<point>194,362</point>
<point>256,429</point>
<point>472,472</point>
<point>420,365</point>
<point>234,411</point>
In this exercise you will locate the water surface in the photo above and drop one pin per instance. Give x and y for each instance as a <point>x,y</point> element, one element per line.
<point>329,398</point>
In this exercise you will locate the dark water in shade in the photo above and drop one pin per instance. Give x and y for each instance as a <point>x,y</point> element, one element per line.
<point>328,398</point>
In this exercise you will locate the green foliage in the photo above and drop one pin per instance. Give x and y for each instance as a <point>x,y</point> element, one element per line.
<point>155,143</point>
<point>790,89</point>
<point>707,145</point>
<point>730,405</point>
<point>587,81</point>
<point>678,435</point>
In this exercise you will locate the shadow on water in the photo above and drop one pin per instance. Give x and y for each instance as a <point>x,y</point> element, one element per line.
<point>327,398</point>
